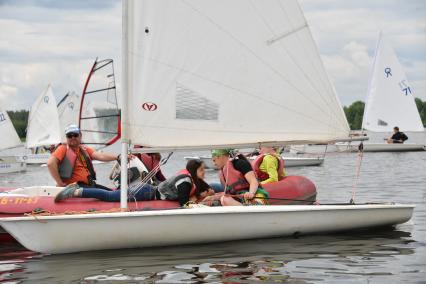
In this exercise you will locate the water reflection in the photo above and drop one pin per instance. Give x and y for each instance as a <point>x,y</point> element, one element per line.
<point>306,259</point>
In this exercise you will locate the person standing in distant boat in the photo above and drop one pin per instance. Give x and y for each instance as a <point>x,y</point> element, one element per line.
<point>397,137</point>
<point>269,166</point>
<point>72,162</point>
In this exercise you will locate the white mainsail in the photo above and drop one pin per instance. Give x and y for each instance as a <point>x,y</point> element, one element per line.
<point>200,74</point>
<point>68,110</point>
<point>43,121</point>
<point>390,101</point>
<point>8,133</point>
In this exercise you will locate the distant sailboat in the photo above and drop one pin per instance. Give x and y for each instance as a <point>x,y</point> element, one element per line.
<point>288,161</point>
<point>390,101</point>
<point>68,110</point>
<point>43,126</point>
<point>99,114</point>
<point>9,139</point>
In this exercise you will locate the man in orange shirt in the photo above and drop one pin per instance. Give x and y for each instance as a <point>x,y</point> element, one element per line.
<point>72,162</point>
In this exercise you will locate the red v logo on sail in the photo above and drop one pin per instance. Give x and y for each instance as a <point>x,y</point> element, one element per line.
<point>149,106</point>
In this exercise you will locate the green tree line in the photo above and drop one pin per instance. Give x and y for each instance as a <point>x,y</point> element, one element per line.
<point>19,120</point>
<point>355,111</point>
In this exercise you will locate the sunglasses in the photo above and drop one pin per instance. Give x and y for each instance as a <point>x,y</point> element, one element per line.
<point>72,135</point>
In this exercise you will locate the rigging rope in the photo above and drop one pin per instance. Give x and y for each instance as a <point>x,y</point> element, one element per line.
<point>358,171</point>
<point>134,189</point>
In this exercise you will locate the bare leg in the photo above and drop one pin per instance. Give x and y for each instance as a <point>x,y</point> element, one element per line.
<point>229,201</point>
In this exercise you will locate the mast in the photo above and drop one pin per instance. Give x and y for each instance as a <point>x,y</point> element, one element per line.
<point>124,111</point>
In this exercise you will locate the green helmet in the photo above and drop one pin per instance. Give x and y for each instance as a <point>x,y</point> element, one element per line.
<point>220,152</point>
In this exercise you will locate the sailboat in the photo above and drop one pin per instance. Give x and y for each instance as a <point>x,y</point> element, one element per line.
<point>390,102</point>
<point>99,113</point>
<point>288,161</point>
<point>10,139</point>
<point>43,127</point>
<point>189,78</point>
<point>68,111</point>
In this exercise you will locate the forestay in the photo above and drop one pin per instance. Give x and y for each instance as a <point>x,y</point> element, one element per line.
<point>215,72</point>
<point>68,110</point>
<point>43,121</point>
<point>99,116</point>
<point>390,101</point>
<point>9,137</point>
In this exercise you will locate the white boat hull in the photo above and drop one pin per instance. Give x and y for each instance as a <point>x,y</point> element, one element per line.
<point>63,234</point>
<point>381,147</point>
<point>289,161</point>
<point>302,162</point>
<point>11,164</point>
<point>36,159</point>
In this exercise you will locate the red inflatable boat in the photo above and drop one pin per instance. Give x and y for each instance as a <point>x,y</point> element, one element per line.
<point>290,190</point>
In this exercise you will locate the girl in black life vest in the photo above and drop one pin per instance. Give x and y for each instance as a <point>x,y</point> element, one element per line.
<point>187,184</point>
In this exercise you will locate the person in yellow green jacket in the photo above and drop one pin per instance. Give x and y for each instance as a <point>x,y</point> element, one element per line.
<point>269,166</point>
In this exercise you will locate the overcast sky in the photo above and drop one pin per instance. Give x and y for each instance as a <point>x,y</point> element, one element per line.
<point>47,41</point>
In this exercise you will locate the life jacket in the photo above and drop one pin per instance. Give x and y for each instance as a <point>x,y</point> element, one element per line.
<point>66,167</point>
<point>261,175</point>
<point>168,189</point>
<point>233,179</point>
<point>148,161</point>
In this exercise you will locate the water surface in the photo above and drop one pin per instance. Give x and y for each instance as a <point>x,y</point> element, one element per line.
<point>383,256</point>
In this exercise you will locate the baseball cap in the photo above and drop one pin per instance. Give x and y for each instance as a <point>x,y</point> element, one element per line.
<point>72,128</point>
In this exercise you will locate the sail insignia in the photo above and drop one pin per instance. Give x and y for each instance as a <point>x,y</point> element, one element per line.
<point>192,105</point>
<point>382,123</point>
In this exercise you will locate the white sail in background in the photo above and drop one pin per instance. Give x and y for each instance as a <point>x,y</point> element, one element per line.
<point>9,137</point>
<point>68,110</point>
<point>43,121</point>
<point>218,72</point>
<point>99,117</point>
<point>390,100</point>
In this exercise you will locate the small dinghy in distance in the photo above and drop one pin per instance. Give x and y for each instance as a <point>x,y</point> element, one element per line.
<point>390,102</point>
<point>289,161</point>
<point>69,111</point>
<point>10,139</point>
<point>99,117</point>
<point>184,73</point>
<point>43,127</point>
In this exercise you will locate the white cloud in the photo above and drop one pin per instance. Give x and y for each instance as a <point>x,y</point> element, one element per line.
<point>346,33</point>
<point>56,41</point>
<point>41,45</point>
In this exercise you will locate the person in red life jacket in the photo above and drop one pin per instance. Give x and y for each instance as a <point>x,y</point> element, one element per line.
<point>151,162</point>
<point>268,166</point>
<point>187,184</point>
<point>72,162</point>
<point>238,179</point>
